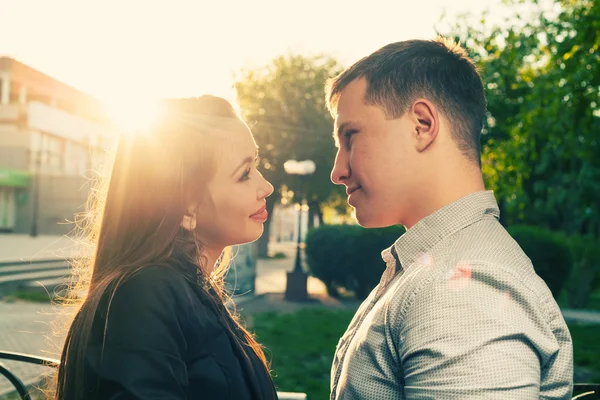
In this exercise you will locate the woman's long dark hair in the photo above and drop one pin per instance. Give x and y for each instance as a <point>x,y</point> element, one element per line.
<point>133,220</point>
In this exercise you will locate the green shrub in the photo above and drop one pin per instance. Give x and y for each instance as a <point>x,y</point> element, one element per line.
<point>348,256</point>
<point>585,276</point>
<point>327,254</point>
<point>367,265</point>
<point>549,252</point>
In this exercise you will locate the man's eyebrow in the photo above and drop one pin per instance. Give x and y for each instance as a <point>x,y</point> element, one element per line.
<point>341,128</point>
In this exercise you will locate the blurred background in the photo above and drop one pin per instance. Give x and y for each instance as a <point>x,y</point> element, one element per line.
<point>75,75</point>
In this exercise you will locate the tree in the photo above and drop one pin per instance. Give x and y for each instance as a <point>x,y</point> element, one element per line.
<point>284,104</point>
<point>541,143</point>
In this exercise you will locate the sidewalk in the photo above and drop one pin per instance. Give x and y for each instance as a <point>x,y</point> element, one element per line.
<point>23,247</point>
<point>272,273</point>
<point>24,329</point>
<point>582,316</point>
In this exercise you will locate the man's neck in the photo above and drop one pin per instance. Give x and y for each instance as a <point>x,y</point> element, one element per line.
<point>446,187</point>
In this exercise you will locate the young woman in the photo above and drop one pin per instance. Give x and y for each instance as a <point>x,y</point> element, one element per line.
<point>153,324</point>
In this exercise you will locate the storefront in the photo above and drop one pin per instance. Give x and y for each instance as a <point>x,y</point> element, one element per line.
<point>12,188</point>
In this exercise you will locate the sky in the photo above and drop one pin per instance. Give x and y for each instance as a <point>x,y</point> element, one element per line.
<point>128,52</point>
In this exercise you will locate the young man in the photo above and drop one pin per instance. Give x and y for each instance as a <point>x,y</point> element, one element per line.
<point>459,312</point>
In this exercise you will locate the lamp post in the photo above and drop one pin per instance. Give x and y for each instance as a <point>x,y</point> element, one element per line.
<point>296,284</point>
<point>35,208</point>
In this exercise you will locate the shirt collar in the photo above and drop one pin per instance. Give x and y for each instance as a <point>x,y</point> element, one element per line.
<point>417,241</point>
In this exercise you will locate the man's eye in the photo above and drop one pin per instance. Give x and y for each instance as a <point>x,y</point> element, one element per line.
<point>349,133</point>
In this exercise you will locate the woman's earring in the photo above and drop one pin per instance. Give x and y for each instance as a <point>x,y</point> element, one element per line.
<point>189,222</point>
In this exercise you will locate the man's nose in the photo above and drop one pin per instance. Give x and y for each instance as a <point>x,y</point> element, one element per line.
<point>341,170</point>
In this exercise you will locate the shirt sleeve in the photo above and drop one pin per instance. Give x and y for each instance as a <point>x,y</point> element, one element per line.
<point>143,353</point>
<point>471,334</point>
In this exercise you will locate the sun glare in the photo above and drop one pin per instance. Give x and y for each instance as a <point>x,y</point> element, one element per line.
<point>134,116</point>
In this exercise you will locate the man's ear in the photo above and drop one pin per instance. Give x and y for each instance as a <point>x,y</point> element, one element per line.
<point>426,123</point>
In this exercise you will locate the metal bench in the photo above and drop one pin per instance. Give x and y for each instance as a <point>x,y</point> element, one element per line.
<point>22,389</point>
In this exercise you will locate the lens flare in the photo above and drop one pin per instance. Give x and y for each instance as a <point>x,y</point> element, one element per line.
<point>460,276</point>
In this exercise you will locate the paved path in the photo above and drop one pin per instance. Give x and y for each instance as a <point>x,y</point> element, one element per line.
<point>24,247</point>
<point>272,274</point>
<point>25,328</point>
<point>582,316</point>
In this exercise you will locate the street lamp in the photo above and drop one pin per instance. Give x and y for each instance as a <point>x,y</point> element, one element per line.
<point>33,230</point>
<point>296,284</point>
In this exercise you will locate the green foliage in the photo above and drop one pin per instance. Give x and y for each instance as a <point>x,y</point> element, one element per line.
<point>349,256</point>
<point>279,255</point>
<point>542,138</point>
<point>32,295</point>
<point>284,103</point>
<point>298,364</point>
<point>275,256</point>
<point>549,253</point>
<point>585,277</point>
<point>367,265</point>
<point>327,254</point>
<point>586,349</point>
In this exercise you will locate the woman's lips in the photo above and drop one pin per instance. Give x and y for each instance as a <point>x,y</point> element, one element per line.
<point>261,215</point>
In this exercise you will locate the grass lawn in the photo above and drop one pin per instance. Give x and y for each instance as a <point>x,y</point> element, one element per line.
<point>594,303</point>
<point>36,296</point>
<point>586,348</point>
<point>302,347</point>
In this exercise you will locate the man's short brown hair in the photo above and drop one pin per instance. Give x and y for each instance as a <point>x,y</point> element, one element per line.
<point>438,70</point>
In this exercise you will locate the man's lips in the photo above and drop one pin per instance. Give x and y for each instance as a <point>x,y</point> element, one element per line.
<point>351,190</point>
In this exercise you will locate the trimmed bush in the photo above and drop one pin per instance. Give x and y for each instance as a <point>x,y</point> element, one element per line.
<point>367,265</point>
<point>549,252</point>
<point>585,276</point>
<point>348,256</point>
<point>327,254</point>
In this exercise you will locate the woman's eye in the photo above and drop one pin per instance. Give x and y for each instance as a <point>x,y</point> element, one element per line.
<point>246,175</point>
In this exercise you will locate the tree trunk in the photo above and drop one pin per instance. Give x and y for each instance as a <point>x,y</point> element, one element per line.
<point>263,242</point>
<point>315,209</point>
<point>311,216</point>
<point>319,214</point>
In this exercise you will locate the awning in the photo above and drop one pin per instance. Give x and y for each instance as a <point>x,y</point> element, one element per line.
<point>12,178</point>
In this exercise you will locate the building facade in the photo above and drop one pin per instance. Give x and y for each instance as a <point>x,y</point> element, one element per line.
<point>52,140</point>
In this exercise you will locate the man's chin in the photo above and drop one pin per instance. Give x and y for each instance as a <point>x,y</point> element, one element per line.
<point>370,220</point>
